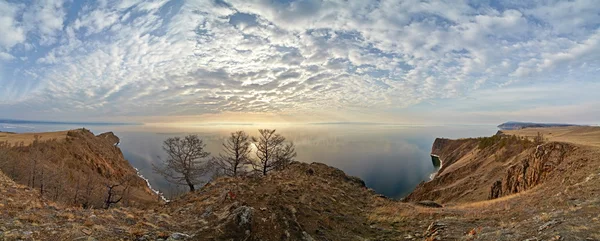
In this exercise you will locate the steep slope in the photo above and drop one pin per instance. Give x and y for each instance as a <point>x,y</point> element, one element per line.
<point>470,167</point>
<point>304,202</point>
<point>540,191</point>
<point>25,216</point>
<point>73,167</point>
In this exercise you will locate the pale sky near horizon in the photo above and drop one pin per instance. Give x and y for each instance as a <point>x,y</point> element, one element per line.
<point>300,61</point>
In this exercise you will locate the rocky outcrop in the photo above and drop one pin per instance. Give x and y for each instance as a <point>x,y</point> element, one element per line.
<point>470,168</point>
<point>110,137</point>
<point>77,169</point>
<point>304,202</point>
<point>532,170</point>
<point>495,190</point>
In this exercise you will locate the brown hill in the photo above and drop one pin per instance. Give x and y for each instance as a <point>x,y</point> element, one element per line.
<point>515,188</point>
<point>304,202</point>
<point>24,216</point>
<point>504,187</point>
<point>73,167</point>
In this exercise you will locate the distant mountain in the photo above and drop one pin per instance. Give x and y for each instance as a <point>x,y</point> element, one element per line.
<point>514,125</point>
<point>35,122</point>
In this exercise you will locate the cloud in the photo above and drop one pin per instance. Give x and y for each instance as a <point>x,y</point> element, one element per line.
<point>12,33</point>
<point>195,57</point>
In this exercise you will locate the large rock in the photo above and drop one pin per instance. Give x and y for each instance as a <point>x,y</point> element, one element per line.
<point>532,170</point>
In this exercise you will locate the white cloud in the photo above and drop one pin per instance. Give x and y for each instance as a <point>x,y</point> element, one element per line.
<point>46,19</point>
<point>12,33</point>
<point>6,56</point>
<point>124,58</point>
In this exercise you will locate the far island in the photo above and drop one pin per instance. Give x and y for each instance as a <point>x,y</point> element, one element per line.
<point>515,125</point>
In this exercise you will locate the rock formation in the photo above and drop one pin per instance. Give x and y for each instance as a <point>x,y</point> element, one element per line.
<point>556,185</point>
<point>532,170</point>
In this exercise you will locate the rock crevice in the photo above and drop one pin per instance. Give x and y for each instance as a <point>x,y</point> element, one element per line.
<point>532,170</point>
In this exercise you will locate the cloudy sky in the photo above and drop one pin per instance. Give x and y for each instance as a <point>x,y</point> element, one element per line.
<point>300,61</point>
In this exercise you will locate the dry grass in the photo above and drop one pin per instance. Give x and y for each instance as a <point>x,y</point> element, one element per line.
<point>28,138</point>
<point>487,204</point>
<point>583,135</point>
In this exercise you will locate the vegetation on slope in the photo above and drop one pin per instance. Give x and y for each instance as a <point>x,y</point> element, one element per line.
<point>318,202</point>
<point>78,169</point>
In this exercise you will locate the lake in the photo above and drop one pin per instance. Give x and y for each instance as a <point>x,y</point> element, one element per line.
<point>391,159</point>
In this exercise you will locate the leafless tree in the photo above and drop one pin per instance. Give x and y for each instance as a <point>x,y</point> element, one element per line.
<point>186,162</point>
<point>111,189</point>
<point>538,139</point>
<point>89,192</point>
<point>236,155</point>
<point>75,198</point>
<point>284,155</point>
<point>272,151</point>
<point>117,192</point>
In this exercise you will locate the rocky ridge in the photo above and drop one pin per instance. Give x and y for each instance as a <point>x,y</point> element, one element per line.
<point>542,192</point>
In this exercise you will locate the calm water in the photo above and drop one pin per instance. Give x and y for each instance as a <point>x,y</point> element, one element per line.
<point>390,159</point>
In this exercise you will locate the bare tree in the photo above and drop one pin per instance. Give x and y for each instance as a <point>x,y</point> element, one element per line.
<point>87,195</point>
<point>272,152</point>
<point>236,155</point>
<point>284,155</point>
<point>111,189</point>
<point>538,139</point>
<point>186,163</point>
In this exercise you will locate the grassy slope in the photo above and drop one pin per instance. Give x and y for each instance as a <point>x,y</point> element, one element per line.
<point>70,163</point>
<point>320,202</point>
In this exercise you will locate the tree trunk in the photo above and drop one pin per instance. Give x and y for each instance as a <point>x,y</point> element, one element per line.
<point>190,184</point>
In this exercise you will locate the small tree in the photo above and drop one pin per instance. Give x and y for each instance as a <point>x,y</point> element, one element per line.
<point>272,152</point>
<point>284,155</point>
<point>113,196</point>
<point>185,164</point>
<point>538,139</point>
<point>236,155</point>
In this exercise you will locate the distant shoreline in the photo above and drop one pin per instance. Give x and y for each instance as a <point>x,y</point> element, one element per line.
<point>14,121</point>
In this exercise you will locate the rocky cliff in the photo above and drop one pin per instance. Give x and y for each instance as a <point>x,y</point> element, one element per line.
<point>545,191</point>
<point>74,167</point>
<point>532,170</point>
<point>477,169</point>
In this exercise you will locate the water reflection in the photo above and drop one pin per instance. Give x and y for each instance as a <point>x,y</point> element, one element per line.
<point>390,159</point>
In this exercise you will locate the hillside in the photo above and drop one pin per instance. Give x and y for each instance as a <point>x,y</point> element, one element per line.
<point>503,187</point>
<point>543,190</point>
<point>73,167</point>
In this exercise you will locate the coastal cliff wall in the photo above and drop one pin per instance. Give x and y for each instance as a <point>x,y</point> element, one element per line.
<point>532,170</point>
<point>477,169</point>
<point>74,167</point>
<point>473,169</point>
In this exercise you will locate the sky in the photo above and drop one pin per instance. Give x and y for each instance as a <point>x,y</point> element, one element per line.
<point>304,61</point>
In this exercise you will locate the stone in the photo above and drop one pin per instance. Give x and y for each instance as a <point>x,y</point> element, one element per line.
<point>429,203</point>
<point>307,237</point>
<point>86,231</point>
<point>242,216</point>
<point>208,212</point>
<point>178,236</point>
<point>548,225</point>
<point>434,230</point>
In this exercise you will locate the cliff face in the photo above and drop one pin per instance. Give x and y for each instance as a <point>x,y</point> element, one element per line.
<point>74,167</point>
<point>450,151</point>
<point>556,186</point>
<point>470,168</point>
<point>532,170</point>
<point>477,169</point>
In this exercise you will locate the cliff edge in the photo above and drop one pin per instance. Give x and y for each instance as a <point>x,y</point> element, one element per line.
<point>504,187</point>
<point>73,167</point>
